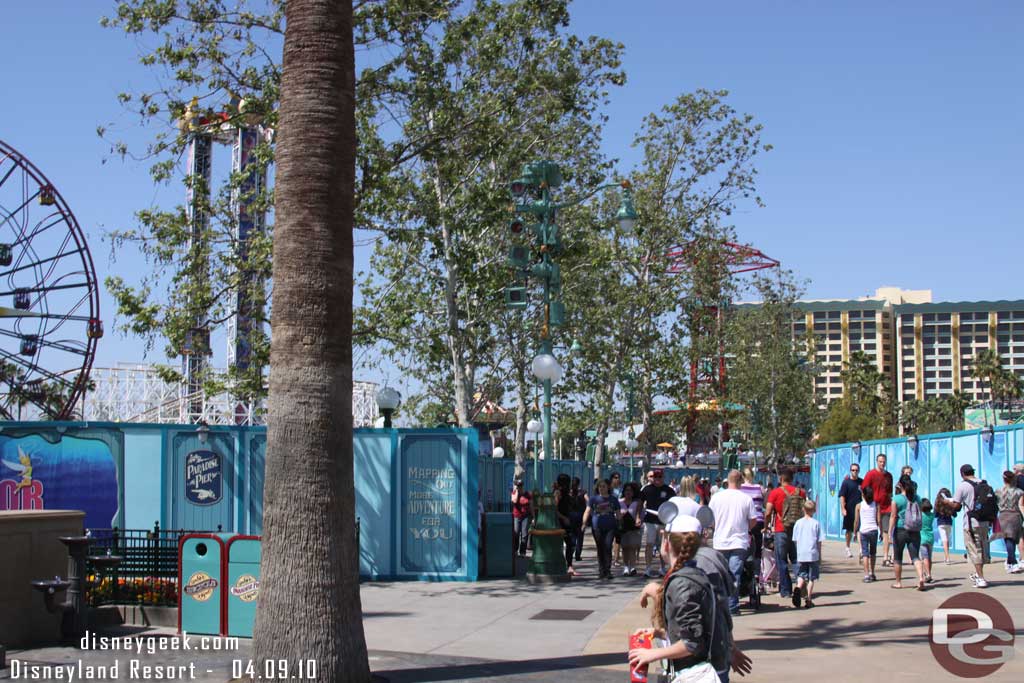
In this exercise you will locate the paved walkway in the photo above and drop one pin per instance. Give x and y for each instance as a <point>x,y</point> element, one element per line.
<point>488,631</point>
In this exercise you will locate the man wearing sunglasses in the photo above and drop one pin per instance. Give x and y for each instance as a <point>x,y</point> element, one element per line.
<point>849,496</point>
<point>652,496</point>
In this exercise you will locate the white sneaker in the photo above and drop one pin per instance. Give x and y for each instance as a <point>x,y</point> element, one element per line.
<point>625,571</point>
<point>973,578</point>
<point>1008,567</point>
<point>980,583</point>
<point>848,553</point>
<point>1017,568</point>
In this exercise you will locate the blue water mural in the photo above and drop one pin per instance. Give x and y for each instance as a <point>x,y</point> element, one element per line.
<point>70,474</point>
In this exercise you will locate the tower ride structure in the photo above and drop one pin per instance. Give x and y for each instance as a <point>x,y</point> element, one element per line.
<point>706,318</point>
<point>243,133</point>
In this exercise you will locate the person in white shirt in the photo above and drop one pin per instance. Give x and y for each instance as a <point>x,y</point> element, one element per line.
<point>735,516</point>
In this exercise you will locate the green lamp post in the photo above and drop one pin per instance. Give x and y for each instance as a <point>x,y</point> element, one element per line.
<point>533,199</point>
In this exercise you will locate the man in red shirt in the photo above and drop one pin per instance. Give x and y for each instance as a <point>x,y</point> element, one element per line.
<point>785,549</point>
<point>880,482</point>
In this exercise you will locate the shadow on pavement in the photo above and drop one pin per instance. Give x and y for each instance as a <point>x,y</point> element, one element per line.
<point>835,633</point>
<point>490,670</point>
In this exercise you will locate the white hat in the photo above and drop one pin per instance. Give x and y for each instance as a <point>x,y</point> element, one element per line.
<point>682,524</point>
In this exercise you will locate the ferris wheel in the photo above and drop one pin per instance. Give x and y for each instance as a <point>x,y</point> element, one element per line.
<point>49,298</point>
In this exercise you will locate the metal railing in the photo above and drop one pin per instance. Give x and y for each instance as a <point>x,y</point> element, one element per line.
<point>147,573</point>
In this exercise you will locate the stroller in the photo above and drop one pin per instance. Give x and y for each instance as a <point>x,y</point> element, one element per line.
<point>769,577</point>
<point>750,581</point>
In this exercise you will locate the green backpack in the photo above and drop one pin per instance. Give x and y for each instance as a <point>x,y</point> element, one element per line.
<point>792,507</point>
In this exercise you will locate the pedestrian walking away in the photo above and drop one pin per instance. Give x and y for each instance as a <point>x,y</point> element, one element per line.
<point>578,502</point>
<point>881,482</point>
<point>757,497</point>
<point>521,516</point>
<point>944,515</point>
<point>1011,507</point>
<point>867,522</point>
<point>784,509</point>
<point>905,528</point>
<point>849,497</point>
<point>927,537</point>
<point>563,508</point>
<point>734,518</point>
<point>978,502</point>
<point>807,536</point>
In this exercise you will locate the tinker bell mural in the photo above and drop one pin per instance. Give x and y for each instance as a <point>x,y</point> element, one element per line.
<point>22,467</point>
<point>48,471</point>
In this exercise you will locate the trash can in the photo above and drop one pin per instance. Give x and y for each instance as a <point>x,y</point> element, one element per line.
<point>200,583</point>
<point>242,584</point>
<point>498,551</point>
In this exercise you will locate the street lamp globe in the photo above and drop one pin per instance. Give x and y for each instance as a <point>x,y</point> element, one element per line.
<point>388,401</point>
<point>627,213</point>
<point>546,367</point>
<point>632,444</point>
<point>498,452</point>
<point>534,426</point>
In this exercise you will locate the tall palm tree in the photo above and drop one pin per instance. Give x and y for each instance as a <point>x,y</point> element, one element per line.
<point>309,605</point>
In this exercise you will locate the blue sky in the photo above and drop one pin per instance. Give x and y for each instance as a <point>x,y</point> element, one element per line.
<point>896,128</point>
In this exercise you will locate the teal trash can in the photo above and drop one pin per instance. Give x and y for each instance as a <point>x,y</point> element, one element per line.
<point>243,584</point>
<point>201,583</point>
<point>498,553</point>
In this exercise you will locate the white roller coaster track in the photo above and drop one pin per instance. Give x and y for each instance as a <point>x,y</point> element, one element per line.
<point>136,393</point>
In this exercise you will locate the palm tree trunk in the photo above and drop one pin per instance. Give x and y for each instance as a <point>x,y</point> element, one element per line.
<point>309,605</point>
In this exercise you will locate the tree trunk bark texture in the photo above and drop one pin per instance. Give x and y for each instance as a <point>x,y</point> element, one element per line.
<point>309,606</point>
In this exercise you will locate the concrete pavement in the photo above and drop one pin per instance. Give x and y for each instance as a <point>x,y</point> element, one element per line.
<point>496,630</point>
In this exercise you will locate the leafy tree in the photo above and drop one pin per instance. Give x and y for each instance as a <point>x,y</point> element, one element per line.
<point>311,359</point>
<point>697,166</point>
<point>866,410</point>
<point>934,415</point>
<point>768,376</point>
<point>1003,384</point>
<point>513,86</point>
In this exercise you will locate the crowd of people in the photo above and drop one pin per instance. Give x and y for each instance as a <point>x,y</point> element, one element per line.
<point>708,545</point>
<point>877,508</point>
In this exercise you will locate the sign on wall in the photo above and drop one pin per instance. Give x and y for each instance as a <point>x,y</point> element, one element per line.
<point>432,516</point>
<point>204,478</point>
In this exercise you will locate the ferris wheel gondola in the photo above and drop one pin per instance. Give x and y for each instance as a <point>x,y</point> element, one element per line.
<point>49,297</point>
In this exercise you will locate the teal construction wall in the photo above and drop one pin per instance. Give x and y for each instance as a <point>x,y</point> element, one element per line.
<point>416,491</point>
<point>936,463</point>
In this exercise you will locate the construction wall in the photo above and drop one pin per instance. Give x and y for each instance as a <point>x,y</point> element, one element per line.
<point>416,491</point>
<point>936,462</point>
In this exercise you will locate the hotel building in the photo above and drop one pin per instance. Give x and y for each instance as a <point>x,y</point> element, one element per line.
<point>924,348</point>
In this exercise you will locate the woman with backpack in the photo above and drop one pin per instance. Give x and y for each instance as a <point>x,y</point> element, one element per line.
<point>629,528</point>
<point>603,512</point>
<point>1011,507</point>
<point>905,528</point>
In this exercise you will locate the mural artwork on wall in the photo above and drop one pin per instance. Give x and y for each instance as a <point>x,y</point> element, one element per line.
<point>50,471</point>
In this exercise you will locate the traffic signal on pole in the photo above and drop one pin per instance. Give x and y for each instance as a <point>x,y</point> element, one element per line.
<point>516,227</point>
<point>557,314</point>
<point>516,297</point>
<point>519,256</point>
